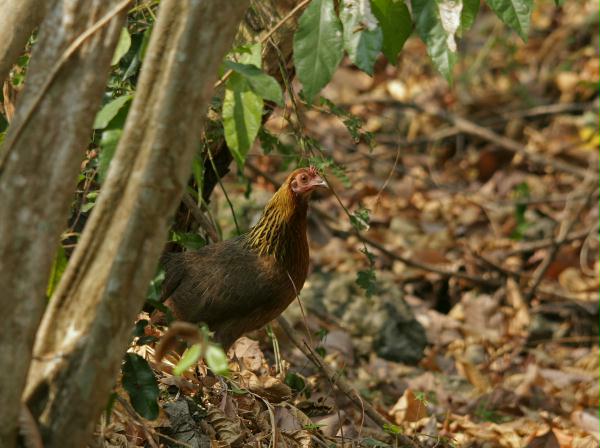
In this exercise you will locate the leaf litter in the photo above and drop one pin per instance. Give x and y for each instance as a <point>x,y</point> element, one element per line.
<point>495,367</point>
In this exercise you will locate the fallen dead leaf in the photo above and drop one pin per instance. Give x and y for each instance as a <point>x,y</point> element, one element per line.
<point>408,408</point>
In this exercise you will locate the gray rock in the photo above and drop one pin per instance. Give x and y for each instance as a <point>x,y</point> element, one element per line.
<point>383,323</point>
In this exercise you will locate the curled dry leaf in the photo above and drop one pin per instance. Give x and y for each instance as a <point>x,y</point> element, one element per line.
<point>228,429</point>
<point>409,408</point>
<point>249,354</point>
<point>519,324</point>
<point>588,422</point>
<point>474,375</point>
<point>268,387</point>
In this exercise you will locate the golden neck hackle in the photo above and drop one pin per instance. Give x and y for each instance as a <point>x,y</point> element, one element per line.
<point>282,226</point>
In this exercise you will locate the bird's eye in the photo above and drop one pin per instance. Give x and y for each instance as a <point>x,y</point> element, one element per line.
<point>303,178</point>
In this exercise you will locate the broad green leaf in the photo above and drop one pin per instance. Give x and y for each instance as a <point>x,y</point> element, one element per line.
<point>140,383</point>
<point>251,55</point>
<point>216,360</point>
<point>189,359</point>
<point>363,37</point>
<point>110,110</point>
<point>58,267</point>
<point>431,31</point>
<point>515,13</point>
<point>260,83</point>
<point>123,46</point>
<point>469,12</point>
<point>242,114</point>
<point>108,144</point>
<point>296,382</point>
<point>145,42</point>
<point>189,240</point>
<point>318,46</point>
<point>396,24</point>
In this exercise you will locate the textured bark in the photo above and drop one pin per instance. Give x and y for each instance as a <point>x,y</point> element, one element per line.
<point>39,162</point>
<point>88,324</point>
<point>18,19</point>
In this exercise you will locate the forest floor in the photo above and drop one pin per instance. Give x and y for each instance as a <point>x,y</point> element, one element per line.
<point>482,326</point>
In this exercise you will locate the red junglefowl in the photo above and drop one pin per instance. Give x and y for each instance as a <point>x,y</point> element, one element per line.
<point>241,284</point>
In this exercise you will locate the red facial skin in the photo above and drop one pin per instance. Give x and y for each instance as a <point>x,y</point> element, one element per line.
<point>305,180</point>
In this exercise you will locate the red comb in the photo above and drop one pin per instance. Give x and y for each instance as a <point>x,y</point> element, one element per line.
<point>312,171</point>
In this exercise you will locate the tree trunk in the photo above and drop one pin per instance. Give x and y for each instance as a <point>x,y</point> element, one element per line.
<point>39,162</point>
<point>88,324</point>
<point>18,19</point>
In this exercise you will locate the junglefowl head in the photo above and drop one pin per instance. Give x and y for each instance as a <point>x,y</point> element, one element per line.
<point>304,181</point>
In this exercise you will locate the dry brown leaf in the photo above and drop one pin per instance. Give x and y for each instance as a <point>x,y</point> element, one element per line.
<point>547,440</point>
<point>228,430</point>
<point>474,375</point>
<point>520,322</point>
<point>526,382</point>
<point>588,422</point>
<point>408,408</point>
<point>249,354</point>
<point>574,281</point>
<point>268,387</point>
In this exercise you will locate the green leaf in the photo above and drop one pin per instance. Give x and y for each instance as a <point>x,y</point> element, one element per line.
<point>396,24</point>
<point>140,383</point>
<point>58,268</point>
<point>145,42</point>
<point>515,13</point>
<point>108,143</point>
<point>318,46</point>
<point>374,443</point>
<point>242,114</point>
<point>189,240</point>
<point>140,328</point>
<point>366,280</point>
<point>469,12</point>
<point>360,219</point>
<point>110,111</point>
<point>363,37</point>
<point>431,31</point>
<point>260,83</point>
<point>216,360</point>
<point>123,46</point>
<point>251,54</point>
<point>189,359</point>
<point>295,382</point>
<point>392,429</point>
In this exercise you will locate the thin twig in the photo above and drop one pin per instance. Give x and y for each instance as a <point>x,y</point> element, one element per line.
<point>220,181</point>
<point>547,109</point>
<point>138,420</point>
<point>547,292</point>
<point>469,127</point>
<point>152,431</point>
<point>267,36</point>
<point>531,246</point>
<point>199,217</point>
<point>572,213</point>
<point>417,264</point>
<point>339,380</point>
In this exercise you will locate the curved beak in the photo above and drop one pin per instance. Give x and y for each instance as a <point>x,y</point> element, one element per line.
<point>318,181</point>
